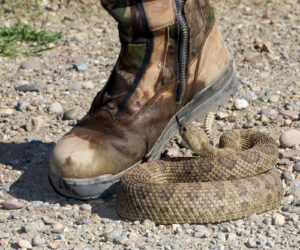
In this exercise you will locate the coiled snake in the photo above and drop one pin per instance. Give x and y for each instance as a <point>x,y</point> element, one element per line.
<point>225,183</point>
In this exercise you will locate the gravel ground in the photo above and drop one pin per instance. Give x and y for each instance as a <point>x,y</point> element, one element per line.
<point>41,98</point>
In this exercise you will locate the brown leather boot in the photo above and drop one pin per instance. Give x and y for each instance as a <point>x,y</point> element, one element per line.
<point>173,62</point>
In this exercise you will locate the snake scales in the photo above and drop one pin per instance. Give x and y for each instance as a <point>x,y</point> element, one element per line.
<point>225,183</point>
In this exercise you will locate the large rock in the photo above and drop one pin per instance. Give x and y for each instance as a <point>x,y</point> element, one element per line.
<point>12,204</point>
<point>6,111</point>
<point>55,108</point>
<point>290,138</point>
<point>34,124</point>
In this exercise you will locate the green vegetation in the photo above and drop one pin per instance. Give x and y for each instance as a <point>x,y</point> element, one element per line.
<point>21,39</point>
<point>29,8</point>
<point>25,39</point>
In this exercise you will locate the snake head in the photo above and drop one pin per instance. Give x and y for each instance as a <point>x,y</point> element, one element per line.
<point>194,136</point>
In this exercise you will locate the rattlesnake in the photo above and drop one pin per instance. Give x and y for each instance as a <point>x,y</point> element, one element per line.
<point>225,183</point>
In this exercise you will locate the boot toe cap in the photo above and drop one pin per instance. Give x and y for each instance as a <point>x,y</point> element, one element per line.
<point>78,158</point>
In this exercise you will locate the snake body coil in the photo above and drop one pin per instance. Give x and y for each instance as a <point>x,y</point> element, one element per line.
<point>226,183</point>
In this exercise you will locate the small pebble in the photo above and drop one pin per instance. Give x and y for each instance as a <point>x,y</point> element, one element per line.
<point>263,241</point>
<point>264,120</point>
<point>274,98</point>
<point>71,114</point>
<point>148,223</point>
<point>235,243</point>
<point>231,237</point>
<point>249,124</point>
<point>221,115</point>
<point>175,246</point>
<point>172,152</point>
<point>297,166</point>
<point>22,105</point>
<point>48,221</point>
<point>288,176</point>
<point>80,66</point>
<point>55,108</point>
<point>278,219</point>
<point>33,227</point>
<point>24,244</point>
<point>286,155</point>
<point>288,122</point>
<point>122,239</point>
<point>267,47</point>
<point>289,113</point>
<point>38,240</point>
<point>295,191</point>
<point>267,221</point>
<point>6,187</point>
<point>95,218</point>
<point>251,243</point>
<point>202,231</point>
<point>284,161</point>
<point>221,237</point>
<point>241,103</point>
<point>34,87</point>
<point>113,235</point>
<point>57,226</point>
<point>4,235</point>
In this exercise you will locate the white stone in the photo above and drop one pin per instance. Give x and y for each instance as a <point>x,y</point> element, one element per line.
<point>278,219</point>
<point>241,103</point>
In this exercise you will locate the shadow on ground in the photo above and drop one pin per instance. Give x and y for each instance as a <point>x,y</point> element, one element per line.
<point>32,159</point>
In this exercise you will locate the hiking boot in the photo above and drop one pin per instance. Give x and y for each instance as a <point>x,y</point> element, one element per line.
<point>173,64</point>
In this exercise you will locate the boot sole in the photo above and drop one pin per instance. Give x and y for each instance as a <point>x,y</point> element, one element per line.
<point>208,99</point>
